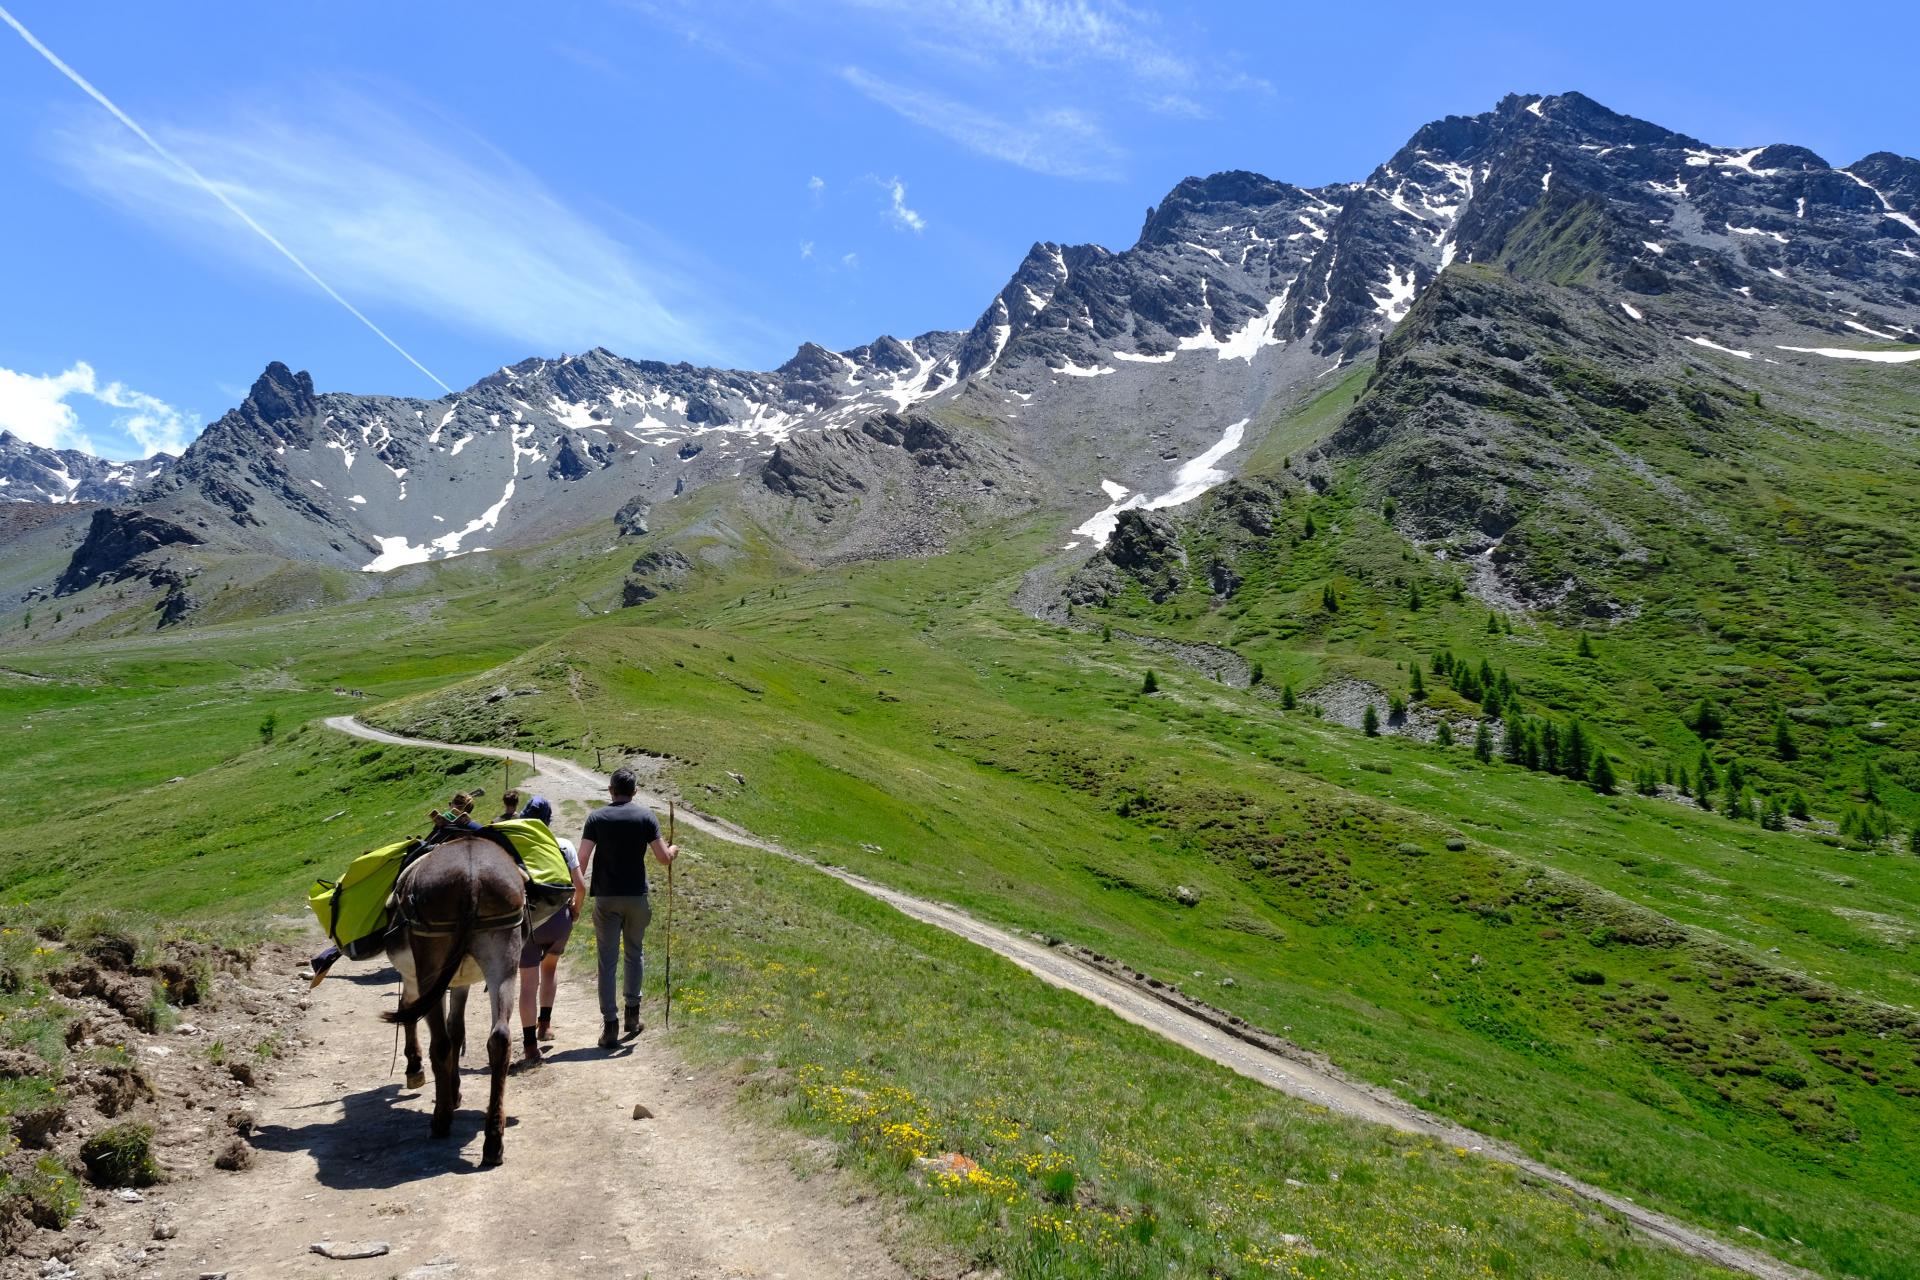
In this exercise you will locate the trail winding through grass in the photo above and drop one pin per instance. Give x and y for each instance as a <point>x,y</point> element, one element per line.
<point>1298,1077</point>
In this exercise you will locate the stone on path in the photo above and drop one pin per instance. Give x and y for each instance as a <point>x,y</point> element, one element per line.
<point>640,1111</point>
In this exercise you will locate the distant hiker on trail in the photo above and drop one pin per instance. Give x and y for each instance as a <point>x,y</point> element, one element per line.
<point>613,854</point>
<point>540,957</point>
<point>510,806</point>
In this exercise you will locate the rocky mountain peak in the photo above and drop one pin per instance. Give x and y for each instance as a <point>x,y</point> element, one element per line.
<point>281,395</point>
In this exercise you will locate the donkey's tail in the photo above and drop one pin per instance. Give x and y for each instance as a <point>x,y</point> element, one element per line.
<point>433,992</point>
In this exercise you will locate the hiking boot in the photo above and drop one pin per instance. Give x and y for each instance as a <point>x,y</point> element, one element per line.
<point>610,1036</point>
<point>634,1025</point>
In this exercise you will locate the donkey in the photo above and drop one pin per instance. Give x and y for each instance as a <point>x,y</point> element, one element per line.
<point>465,910</point>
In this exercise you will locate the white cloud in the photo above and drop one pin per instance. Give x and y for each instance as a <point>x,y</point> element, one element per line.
<point>1059,141</point>
<point>816,184</point>
<point>851,261</point>
<point>36,408</point>
<point>806,248</point>
<point>901,216</point>
<point>452,230</point>
<point>1048,34</point>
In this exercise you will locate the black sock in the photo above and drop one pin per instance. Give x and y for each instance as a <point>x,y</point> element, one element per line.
<point>527,1037</point>
<point>546,1013</point>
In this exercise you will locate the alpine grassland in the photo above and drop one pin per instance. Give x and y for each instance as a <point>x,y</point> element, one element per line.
<point>1692,985</point>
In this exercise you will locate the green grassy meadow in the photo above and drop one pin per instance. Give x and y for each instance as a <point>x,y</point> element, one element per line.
<point>1711,1017</point>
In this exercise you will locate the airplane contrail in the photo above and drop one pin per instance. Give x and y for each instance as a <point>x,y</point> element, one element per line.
<point>211,190</point>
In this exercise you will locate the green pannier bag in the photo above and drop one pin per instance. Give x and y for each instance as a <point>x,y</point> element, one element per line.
<point>355,906</point>
<point>539,852</point>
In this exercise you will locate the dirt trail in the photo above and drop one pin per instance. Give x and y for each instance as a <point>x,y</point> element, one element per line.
<point>1298,1076</point>
<point>343,1155</point>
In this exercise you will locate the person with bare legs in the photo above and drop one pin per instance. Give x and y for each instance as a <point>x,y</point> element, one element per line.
<point>540,957</point>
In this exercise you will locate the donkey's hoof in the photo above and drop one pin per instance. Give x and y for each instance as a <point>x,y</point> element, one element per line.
<point>417,1080</point>
<point>492,1153</point>
<point>439,1128</point>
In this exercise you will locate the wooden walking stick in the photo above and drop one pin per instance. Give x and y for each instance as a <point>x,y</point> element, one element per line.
<point>669,981</point>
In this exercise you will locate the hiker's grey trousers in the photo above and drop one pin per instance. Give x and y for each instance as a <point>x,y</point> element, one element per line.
<point>618,925</point>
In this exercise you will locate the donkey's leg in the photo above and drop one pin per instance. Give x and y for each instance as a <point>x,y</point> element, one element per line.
<point>457,1032</point>
<point>446,1070</point>
<point>402,958</point>
<point>499,955</point>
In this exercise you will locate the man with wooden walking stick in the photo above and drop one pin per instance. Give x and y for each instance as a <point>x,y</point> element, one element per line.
<point>613,857</point>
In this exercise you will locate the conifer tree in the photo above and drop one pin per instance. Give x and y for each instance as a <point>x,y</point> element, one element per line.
<point>1600,773</point>
<point>1396,708</point>
<point>1487,679</point>
<point>1482,743</point>
<point>1506,625</point>
<point>1577,752</point>
<point>1256,675</point>
<point>1705,719</point>
<point>1734,800</point>
<point>1309,529</point>
<point>1151,684</point>
<point>1506,685</point>
<point>1869,779</point>
<point>1370,722</point>
<point>1783,744</point>
<point>1443,735</point>
<point>1775,817</point>
<point>1585,648</point>
<point>1328,600</point>
<point>1549,746</point>
<point>1493,625</point>
<point>1440,662</point>
<point>1797,807</point>
<point>1736,778</point>
<point>1913,840</point>
<point>1704,777</point>
<point>1413,597</point>
<point>1286,697</point>
<point>1466,683</point>
<point>1669,777</point>
<point>1513,747</point>
<point>1683,782</point>
<point>1456,592</point>
<point>1530,746</point>
<point>1417,686</point>
<point>1647,781</point>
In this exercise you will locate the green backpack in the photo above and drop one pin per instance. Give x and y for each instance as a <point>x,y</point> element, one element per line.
<point>539,852</point>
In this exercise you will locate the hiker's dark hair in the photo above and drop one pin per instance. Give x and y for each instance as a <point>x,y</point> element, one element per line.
<point>510,802</point>
<point>624,783</point>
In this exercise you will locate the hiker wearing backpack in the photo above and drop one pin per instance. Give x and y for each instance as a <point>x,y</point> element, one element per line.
<point>540,957</point>
<point>613,855</point>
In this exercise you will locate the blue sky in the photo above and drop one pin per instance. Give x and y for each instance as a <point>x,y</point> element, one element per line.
<point>718,181</point>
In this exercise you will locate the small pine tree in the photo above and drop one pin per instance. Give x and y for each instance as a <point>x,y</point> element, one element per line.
<point>1444,734</point>
<point>1151,684</point>
<point>1734,801</point>
<point>1413,597</point>
<point>1736,777</point>
<point>1308,529</point>
<point>1600,773</point>
<point>1466,682</point>
<point>1669,776</point>
<point>1442,661</point>
<point>267,728</point>
<point>1417,685</point>
<point>1647,781</point>
<point>1774,818</point>
<point>1106,633</point>
<point>1705,719</point>
<point>1797,807</point>
<point>1506,626</point>
<point>1493,625</point>
<point>1286,697</point>
<point>1704,777</point>
<point>1530,746</point>
<point>1396,709</point>
<point>1387,509</point>
<point>1513,746</point>
<point>1487,679</point>
<point>1869,779</point>
<point>1550,747</point>
<point>1456,592</point>
<point>1370,722</point>
<point>1483,743</point>
<point>1256,675</point>
<point>1913,840</point>
<point>1329,600</point>
<point>1578,752</point>
<point>1783,744</point>
<point>1506,685</point>
<point>1585,648</point>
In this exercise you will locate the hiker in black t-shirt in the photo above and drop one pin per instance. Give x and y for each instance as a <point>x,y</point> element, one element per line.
<point>613,857</point>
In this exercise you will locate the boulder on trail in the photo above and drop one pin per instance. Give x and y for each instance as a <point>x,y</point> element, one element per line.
<point>348,1251</point>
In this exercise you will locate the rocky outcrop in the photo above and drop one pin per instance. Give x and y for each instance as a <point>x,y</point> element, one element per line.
<point>121,543</point>
<point>32,473</point>
<point>656,571</point>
